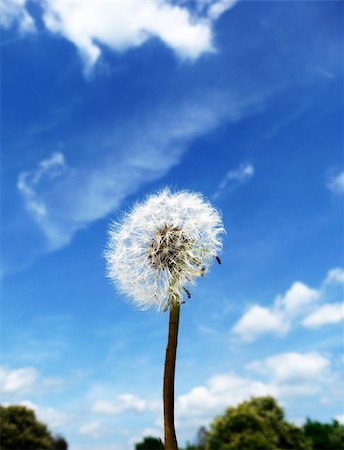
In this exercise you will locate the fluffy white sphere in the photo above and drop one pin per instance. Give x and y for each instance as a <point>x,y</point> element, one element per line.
<point>158,248</point>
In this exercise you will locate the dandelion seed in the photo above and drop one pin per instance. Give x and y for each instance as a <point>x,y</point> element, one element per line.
<point>161,246</point>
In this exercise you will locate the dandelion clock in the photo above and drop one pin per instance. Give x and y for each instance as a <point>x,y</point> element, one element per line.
<point>154,256</point>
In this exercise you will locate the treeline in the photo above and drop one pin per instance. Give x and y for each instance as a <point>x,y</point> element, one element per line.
<point>257,424</point>
<point>260,424</point>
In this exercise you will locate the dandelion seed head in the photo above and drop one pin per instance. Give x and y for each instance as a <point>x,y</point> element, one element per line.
<point>161,246</point>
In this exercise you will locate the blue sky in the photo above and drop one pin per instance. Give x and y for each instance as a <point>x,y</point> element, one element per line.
<point>104,103</point>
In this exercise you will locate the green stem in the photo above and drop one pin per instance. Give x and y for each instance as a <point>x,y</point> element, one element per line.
<point>170,364</point>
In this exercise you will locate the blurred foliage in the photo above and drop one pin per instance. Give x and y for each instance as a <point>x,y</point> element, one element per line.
<point>257,424</point>
<point>60,443</point>
<point>200,440</point>
<point>329,436</point>
<point>21,430</point>
<point>150,443</point>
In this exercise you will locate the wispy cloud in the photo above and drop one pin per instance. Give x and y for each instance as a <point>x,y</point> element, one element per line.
<point>126,156</point>
<point>334,276</point>
<point>17,380</point>
<point>63,199</point>
<point>94,429</point>
<point>234,178</point>
<point>124,403</point>
<point>299,303</point>
<point>14,13</point>
<point>336,184</point>
<point>43,177</point>
<point>123,25</point>
<point>14,382</point>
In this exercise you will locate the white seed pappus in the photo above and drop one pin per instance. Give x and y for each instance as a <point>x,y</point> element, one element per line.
<point>161,246</point>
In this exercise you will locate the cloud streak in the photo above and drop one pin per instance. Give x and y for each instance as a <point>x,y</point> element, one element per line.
<point>114,162</point>
<point>63,199</point>
<point>24,380</point>
<point>94,429</point>
<point>17,380</point>
<point>336,184</point>
<point>43,177</point>
<point>124,403</point>
<point>234,178</point>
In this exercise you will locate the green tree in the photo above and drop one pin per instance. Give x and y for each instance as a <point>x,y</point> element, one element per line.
<point>257,424</point>
<point>21,430</point>
<point>325,436</point>
<point>200,440</point>
<point>60,443</point>
<point>150,443</point>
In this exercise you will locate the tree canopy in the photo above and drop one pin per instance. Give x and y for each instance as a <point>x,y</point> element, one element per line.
<point>257,424</point>
<point>329,436</point>
<point>20,430</point>
<point>149,443</point>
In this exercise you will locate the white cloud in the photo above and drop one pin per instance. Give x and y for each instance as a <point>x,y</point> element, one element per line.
<point>94,429</point>
<point>326,314</point>
<point>298,374</point>
<point>17,380</point>
<point>13,13</point>
<point>279,317</point>
<point>124,403</point>
<point>298,305</point>
<point>336,184</point>
<point>235,177</point>
<point>52,416</point>
<point>201,403</point>
<point>340,418</point>
<point>297,298</point>
<point>259,320</point>
<point>335,275</point>
<point>217,8</point>
<point>292,367</point>
<point>120,25</point>
<point>284,376</point>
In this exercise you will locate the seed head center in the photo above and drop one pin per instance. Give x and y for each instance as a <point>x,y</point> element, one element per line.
<point>168,249</point>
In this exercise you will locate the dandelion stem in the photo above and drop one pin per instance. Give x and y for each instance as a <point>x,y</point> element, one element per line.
<point>170,364</point>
